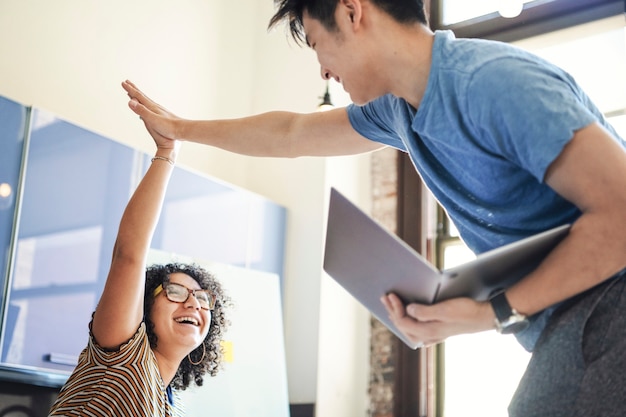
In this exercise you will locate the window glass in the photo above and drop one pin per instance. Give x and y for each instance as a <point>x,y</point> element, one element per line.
<point>456,11</point>
<point>619,123</point>
<point>481,370</point>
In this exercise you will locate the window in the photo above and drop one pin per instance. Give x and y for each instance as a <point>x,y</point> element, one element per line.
<point>466,359</point>
<point>421,374</point>
<point>618,121</point>
<point>480,371</point>
<point>457,11</point>
<point>482,19</point>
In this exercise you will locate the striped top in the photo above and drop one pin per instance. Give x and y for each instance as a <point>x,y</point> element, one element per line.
<point>124,382</point>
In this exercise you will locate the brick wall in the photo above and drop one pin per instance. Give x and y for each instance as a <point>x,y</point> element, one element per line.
<point>384,167</point>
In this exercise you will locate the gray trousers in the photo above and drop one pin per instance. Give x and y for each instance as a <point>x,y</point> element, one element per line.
<point>578,367</point>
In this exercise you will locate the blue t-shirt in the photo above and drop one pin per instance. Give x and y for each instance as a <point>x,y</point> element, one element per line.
<point>492,120</point>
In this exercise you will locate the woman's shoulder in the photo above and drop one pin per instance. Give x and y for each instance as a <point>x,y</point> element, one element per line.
<point>139,339</point>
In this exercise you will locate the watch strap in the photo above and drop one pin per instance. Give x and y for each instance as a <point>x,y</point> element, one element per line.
<point>501,307</point>
<point>507,319</point>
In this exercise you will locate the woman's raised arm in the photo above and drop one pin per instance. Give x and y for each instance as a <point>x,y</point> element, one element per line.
<point>120,309</point>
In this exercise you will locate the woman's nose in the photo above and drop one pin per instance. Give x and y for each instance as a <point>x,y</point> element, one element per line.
<point>192,301</point>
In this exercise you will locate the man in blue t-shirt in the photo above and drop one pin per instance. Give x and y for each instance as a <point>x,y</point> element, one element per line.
<point>509,145</point>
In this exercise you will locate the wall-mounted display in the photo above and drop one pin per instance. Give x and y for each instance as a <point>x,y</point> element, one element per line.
<point>74,186</point>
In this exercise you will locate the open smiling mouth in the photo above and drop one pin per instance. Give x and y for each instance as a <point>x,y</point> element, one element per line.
<point>187,320</point>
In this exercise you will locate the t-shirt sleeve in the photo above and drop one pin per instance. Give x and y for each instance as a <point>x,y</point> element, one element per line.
<point>526,113</point>
<point>380,120</point>
<point>131,345</point>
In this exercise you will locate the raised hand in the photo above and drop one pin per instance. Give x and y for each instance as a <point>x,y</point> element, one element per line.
<point>160,122</point>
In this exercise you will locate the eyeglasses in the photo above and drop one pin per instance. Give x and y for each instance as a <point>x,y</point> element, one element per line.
<point>179,294</point>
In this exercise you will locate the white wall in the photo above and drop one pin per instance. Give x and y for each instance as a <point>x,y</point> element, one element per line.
<point>208,59</point>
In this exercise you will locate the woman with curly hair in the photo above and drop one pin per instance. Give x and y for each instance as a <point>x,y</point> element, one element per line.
<point>206,358</point>
<point>154,330</point>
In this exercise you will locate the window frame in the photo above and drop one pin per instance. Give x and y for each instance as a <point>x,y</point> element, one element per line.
<point>535,19</point>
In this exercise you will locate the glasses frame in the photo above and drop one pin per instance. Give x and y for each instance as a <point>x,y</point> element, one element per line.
<point>163,288</point>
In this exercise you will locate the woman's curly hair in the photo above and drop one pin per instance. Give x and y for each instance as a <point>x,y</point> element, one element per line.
<point>212,360</point>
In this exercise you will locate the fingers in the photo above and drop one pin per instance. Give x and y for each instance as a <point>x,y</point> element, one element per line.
<point>424,313</point>
<point>394,306</point>
<point>425,325</point>
<point>141,110</point>
<point>134,103</point>
<point>158,122</point>
<point>136,94</point>
<point>137,97</point>
<point>403,322</point>
<point>431,324</point>
<point>130,88</point>
<point>416,312</point>
<point>130,84</point>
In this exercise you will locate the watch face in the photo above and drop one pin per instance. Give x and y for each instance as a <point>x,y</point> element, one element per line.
<point>507,319</point>
<point>514,324</point>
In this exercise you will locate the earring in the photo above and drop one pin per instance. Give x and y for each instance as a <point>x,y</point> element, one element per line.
<point>201,359</point>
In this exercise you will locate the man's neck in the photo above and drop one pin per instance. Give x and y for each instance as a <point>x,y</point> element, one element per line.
<point>409,64</point>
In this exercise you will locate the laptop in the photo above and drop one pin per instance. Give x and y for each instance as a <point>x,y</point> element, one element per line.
<point>368,261</point>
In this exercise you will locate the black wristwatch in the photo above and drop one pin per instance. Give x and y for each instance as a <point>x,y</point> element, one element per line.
<point>508,321</point>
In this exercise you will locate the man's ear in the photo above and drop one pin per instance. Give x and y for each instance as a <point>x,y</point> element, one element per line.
<point>353,10</point>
